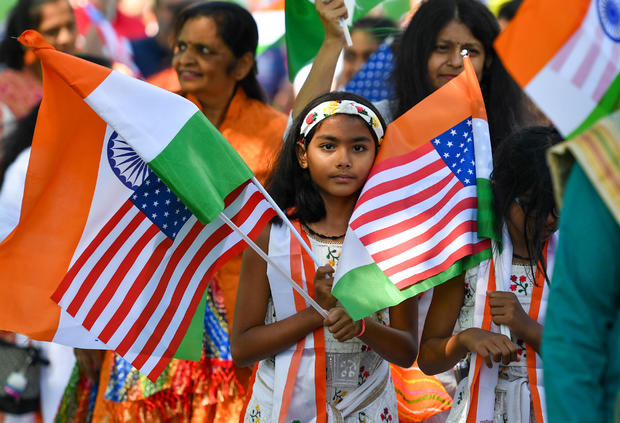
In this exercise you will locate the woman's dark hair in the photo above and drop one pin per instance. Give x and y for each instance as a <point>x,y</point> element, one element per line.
<point>237,28</point>
<point>502,96</point>
<point>520,171</point>
<point>25,15</point>
<point>379,27</point>
<point>289,184</point>
<point>509,10</point>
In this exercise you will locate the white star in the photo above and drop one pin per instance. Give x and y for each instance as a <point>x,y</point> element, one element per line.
<point>155,203</point>
<point>166,214</point>
<point>466,181</point>
<point>135,197</point>
<point>154,215</point>
<point>144,205</point>
<point>146,194</point>
<point>168,189</point>
<point>167,202</point>
<point>468,122</point>
<point>175,222</point>
<point>449,144</point>
<point>453,165</point>
<point>157,191</point>
<point>465,150</point>
<point>184,219</point>
<point>465,134</point>
<point>446,155</point>
<point>471,172</point>
<point>147,182</point>
<point>165,226</point>
<point>462,160</point>
<point>437,142</point>
<point>452,132</point>
<point>458,171</point>
<point>185,207</point>
<point>177,211</point>
<point>461,145</point>
<point>458,155</point>
<point>468,139</point>
<point>174,234</point>
<point>473,163</point>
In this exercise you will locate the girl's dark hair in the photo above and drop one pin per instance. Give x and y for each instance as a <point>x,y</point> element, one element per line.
<point>502,96</point>
<point>237,28</point>
<point>25,15</point>
<point>289,184</point>
<point>520,171</point>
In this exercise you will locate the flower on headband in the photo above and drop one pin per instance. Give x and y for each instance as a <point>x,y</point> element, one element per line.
<point>310,118</point>
<point>331,108</point>
<point>374,122</point>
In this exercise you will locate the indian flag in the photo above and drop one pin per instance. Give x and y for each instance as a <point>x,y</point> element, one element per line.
<point>304,31</point>
<point>566,56</point>
<point>425,213</point>
<point>120,219</point>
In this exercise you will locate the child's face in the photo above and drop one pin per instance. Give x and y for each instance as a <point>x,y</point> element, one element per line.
<point>339,156</point>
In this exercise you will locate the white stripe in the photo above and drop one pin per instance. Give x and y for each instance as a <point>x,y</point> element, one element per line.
<point>109,195</point>
<point>467,238</point>
<point>397,172</point>
<point>422,249</point>
<point>357,256</point>
<point>70,332</point>
<point>399,194</point>
<point>417,210</point>
<point>552,94</point>
<point>106,274</point>
<point>95,257</point>
<point>141,112</point>
<point>192,289</point>
<point>482,149</point>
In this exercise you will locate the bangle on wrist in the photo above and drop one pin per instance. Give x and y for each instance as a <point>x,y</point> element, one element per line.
<point>363,329</point>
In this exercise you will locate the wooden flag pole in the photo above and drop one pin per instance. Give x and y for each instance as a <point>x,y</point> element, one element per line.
<point>265,257</point>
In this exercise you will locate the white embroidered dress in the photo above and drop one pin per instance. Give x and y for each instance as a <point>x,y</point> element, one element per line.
<point>359,385</point>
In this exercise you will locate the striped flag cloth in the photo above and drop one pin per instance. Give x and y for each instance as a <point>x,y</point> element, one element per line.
<point>424,214</point>
<point>97,215</point>
<point>569,66</point>
<point>132,285</point>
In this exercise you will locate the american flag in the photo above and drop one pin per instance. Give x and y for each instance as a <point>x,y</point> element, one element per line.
<point>417,213</point>
<point>137,285</point>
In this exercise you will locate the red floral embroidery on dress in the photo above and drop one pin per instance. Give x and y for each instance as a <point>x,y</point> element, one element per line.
<point>386,416</point>
<point>520,285</point>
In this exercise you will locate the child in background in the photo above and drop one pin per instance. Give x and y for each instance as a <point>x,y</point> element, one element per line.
<point>512,390</point>
<point>325,162</point>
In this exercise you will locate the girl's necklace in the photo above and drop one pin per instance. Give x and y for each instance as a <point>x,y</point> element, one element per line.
<point>332,237</point>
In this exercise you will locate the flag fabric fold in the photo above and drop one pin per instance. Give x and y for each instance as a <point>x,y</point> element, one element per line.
<point>123,192</point>
<point>425,213</point>
<point>569,67</point>
<point>304,31</point>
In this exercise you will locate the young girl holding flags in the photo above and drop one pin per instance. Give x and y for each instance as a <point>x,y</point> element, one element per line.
<point>504,381</point>
<point>325,162</point>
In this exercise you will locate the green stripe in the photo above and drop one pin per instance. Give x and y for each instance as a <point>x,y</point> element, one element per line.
<point>487,225</point>
<point>365,290</point>
<point>424,397</point>
<point>191,345</point>
<point>609,103</point>
<point>201,167</point>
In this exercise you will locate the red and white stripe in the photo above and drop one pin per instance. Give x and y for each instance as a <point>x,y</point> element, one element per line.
<point>137,290</point>
<point>415,217</point>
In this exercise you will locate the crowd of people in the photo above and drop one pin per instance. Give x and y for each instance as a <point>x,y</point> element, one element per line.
<point>314,163</point>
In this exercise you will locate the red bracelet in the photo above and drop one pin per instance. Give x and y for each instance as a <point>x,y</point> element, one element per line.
<point>363,329</point>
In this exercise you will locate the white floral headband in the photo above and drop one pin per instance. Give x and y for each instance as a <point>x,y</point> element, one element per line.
<point>348,107</point>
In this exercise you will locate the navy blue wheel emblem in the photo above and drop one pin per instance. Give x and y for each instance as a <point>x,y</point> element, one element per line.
<point>609,15</point>
<point>127,165</point>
